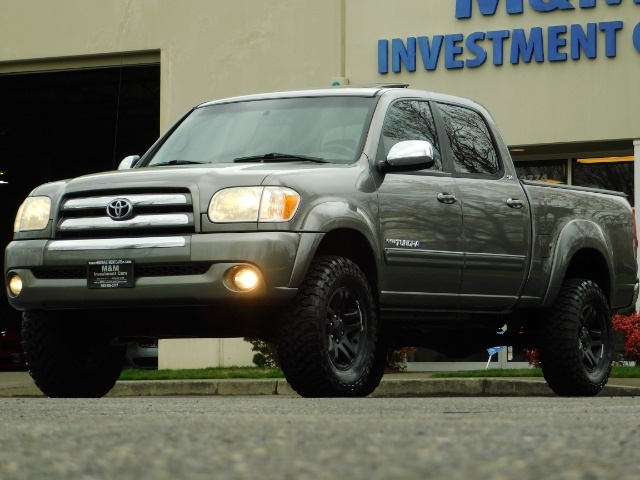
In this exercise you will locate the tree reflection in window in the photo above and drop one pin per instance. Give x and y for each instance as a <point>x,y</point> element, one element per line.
<point>471,143</point>
<point>617,176</point>
<point>411,120</point>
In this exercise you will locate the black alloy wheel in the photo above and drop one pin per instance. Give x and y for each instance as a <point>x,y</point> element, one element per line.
<point>345,328</point>
<point>593,333</point>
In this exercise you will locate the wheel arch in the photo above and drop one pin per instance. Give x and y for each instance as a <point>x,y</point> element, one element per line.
<point>582,251</point>
<point>339,228</point>
<point>352,244</point>
<point>346,242</point>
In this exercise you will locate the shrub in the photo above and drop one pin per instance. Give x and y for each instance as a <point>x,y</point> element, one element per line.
<point>397,358</point>
<point>629,327</point>
<point>267,353</point>
<point>532,357</point>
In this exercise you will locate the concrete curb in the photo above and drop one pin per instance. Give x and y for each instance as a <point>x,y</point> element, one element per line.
<point>389,387</point>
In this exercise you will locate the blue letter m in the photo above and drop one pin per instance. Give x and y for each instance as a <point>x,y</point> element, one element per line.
<point>487,7</point>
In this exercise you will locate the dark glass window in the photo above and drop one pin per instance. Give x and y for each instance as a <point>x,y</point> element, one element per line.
<point>602,173</point>
<point>410,120</point>
<point>471,143</point>
<point>552,171</point>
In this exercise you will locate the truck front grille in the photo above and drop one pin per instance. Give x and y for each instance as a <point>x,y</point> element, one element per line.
<point>125,214</point>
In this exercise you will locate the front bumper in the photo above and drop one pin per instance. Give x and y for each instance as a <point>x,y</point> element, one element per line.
<point>272,253</point>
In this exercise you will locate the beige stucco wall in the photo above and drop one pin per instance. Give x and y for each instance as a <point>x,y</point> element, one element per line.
<point>216,48</point>
<point>533,103</point>
<point>208,48</point>
<point>203,353</point>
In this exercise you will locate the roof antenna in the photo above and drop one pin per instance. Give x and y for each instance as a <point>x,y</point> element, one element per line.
<point>115,138</point>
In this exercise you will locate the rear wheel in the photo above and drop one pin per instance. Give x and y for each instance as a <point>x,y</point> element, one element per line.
<point>66,361</point>
<point>576,340</point>
<point>328,343</point>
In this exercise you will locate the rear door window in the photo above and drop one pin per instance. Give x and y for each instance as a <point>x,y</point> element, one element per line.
<point>472,148</point>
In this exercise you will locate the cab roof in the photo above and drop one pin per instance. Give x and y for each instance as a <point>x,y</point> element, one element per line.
<point>337,91</point>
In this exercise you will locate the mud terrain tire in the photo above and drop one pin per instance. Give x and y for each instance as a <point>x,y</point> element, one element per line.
<point>328,342</point>
<point>67,362</point>
<point>576,340</point>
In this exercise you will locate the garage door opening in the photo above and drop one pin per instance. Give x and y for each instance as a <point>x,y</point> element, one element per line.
<point>62,124</point>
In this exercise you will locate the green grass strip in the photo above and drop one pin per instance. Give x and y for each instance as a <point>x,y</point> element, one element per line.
<point>201,373</point>
<point>625,372</point>
<point>255,372</point>
<point>495,372</point>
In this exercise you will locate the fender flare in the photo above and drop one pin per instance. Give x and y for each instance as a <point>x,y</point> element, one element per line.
<point>576,235</point>
<point>324,218</point>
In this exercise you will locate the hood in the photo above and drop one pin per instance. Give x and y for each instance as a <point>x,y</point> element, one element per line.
<point>201,181</point>
<point>163,177</point>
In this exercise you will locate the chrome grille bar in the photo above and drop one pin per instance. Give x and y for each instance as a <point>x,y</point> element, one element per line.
<point>117,243</point>
<point>140,221</point>
<point>136,200</point>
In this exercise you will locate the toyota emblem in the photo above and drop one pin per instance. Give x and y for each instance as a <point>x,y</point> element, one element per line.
<point>120,209</point>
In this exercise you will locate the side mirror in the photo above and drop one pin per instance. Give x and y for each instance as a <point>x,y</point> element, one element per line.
<point>129,162</point>
<point>409,155</point>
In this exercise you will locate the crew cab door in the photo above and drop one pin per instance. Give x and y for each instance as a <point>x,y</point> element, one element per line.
<point>420,218</point>
<point>496,218</point>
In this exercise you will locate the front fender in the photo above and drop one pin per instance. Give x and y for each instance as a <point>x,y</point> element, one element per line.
<point>330,215</point>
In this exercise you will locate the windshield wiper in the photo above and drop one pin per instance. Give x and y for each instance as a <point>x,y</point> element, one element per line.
<point>176,162</point>
<point>279,157</point>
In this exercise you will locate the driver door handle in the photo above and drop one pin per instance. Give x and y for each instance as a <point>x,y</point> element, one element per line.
<point>515,203</point>
<point>446,198</point>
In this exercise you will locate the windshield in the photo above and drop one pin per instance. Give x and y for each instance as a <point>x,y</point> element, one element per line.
<point>324,128</point>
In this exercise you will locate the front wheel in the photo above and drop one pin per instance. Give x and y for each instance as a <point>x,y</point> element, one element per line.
<point>66,359</point>
<point>576,340</point>
<point>328,342</point>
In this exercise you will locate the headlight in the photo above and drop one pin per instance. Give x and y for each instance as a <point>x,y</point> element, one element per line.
<point>252,204</point>
<point>33,214</point>
<point>235,205</point>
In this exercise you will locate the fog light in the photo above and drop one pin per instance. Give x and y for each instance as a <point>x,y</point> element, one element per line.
<point>15,285</point>
<point>245,279</point>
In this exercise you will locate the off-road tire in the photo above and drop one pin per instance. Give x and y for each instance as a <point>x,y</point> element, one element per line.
<point>576,340</point>
<point>65,361</point>
<point>328,339</point>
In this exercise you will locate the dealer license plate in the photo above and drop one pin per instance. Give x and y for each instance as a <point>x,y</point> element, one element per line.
<point>110,274</point>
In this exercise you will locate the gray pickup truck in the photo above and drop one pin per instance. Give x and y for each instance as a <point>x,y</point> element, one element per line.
<point>338,223</point>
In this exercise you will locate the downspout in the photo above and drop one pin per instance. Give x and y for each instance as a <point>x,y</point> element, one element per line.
<point>342,67</point>
<point>636,188</point>
<point>343,38</point>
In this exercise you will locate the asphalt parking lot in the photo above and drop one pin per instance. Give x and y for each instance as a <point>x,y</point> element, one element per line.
<point>284,437</point>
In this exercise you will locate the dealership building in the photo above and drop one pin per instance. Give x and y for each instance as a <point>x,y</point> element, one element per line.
<point>85,83</point>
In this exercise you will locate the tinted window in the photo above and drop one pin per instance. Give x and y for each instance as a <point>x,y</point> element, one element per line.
<point>471,144</point>
<point>410,120</point>
<point>604,173</point>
